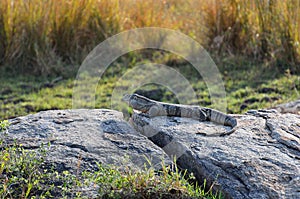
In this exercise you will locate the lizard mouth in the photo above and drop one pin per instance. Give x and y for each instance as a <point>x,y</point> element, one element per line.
<point>126,98</point>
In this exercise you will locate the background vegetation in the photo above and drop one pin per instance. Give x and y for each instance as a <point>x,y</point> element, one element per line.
<point>255,44</point>
<point>38,35</point>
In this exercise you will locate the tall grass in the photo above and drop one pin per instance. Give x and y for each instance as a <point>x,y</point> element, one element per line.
<point>40,35</point>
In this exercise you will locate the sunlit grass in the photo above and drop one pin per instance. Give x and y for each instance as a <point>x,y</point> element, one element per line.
<point>40,35</point>
<point>245,89</point>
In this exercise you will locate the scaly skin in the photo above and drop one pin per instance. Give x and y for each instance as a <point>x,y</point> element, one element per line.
<point>154,108</point>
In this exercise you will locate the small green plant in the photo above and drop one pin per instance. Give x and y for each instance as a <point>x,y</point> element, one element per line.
<point>114,182</point>
<point>24,174</point>
<point>20,173</point>
<point>3,125</point>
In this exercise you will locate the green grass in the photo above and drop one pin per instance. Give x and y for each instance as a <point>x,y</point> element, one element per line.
<point>249,86</point>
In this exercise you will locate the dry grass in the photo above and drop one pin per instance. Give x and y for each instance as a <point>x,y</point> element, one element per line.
<point>39,35</point>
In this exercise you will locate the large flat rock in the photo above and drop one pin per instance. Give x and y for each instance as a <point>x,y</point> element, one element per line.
<point>84,137</point>
<point>261,159</point>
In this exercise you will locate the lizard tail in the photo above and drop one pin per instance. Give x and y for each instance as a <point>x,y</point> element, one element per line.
<point>220,118</point>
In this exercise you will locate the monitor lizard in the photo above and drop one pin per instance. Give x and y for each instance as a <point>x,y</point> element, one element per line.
<point>154,108</point>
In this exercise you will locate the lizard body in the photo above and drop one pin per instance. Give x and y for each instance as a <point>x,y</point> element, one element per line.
<point>154,108</point>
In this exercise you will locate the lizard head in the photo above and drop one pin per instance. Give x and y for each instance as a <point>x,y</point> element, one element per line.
<point>132,99</point>
<point>126,98</point>
<point>137,102</point>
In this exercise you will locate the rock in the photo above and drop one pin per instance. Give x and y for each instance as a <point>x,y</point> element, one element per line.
<point>290,107</point>
<point>81,138</point>
<point>261,159</point>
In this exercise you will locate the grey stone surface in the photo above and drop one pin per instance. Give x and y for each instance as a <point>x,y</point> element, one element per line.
<point>290,107</point>
<point>84,137</point>
<point>261,159</point>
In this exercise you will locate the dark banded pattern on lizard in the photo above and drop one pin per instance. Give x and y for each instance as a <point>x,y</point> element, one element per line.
<point>154,108</point>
